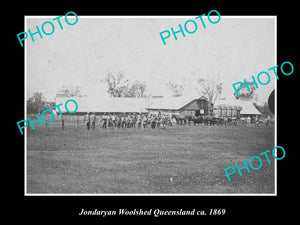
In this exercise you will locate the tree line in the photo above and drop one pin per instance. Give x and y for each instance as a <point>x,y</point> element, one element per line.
<point>37,103</point>
<point>118,86</point>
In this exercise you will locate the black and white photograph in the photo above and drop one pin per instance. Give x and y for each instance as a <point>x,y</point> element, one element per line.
<point>150,105</point>
<point>182,114</point>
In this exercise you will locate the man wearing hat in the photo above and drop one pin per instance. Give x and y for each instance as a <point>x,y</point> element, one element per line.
<point>104,123</point>
<point>87,121</point>
<point>93,120</point>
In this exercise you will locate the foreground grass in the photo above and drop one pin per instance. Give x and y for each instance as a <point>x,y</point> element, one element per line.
<point>174,160</point>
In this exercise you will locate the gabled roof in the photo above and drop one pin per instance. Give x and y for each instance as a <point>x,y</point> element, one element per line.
<point>174,103</point>
<point>171,103</point>
<point>131,105</point>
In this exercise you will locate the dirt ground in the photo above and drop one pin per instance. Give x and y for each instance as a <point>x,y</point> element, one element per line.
<point>175,160</point>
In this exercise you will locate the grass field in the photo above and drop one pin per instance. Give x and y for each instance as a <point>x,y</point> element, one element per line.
<point>179,159</point>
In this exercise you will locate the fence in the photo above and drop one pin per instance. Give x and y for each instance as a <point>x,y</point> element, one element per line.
<point>68,121</point>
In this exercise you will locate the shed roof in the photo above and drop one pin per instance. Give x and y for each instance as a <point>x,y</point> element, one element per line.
<point>168,103</point>
<point>171,103</point>
<point>131,105</point>
<point>106,104</point>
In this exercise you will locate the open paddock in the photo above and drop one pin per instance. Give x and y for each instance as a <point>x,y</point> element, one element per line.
<point>177,160</point>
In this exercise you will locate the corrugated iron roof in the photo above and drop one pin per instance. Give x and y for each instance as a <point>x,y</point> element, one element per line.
<point>108,104</point>
<point>174,103</point>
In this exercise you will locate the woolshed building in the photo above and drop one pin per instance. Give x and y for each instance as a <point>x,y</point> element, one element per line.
<point>179,106</point>
<point>167,106</point>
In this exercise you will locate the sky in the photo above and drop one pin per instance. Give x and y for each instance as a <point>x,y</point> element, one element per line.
<point>82,54</point>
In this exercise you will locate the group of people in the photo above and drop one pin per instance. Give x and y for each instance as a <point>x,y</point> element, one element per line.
<point>127,120</point>
<point>90,121</point>
<point>139,120</point>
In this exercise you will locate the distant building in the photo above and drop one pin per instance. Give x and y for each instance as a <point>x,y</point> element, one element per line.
<point>165,105</point>
<point>170,106</point>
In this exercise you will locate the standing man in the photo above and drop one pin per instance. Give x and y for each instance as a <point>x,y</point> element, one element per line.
<point>113,120</point>
<point>87,121</point>
<point>144,121</point>
<point>153,121</point>
<point>123,121</point>
<point>93,120</point>
<point>248,120</point>
<point>139,120</point>
<point>104,123</point>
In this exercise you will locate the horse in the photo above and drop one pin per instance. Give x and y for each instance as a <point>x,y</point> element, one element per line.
<point>208,120</point>
<point>197,120</point>
<point>181,120</point>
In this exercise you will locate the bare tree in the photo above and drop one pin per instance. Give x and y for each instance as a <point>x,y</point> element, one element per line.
<point>137,90</point>
<point>116,84</point>
<point>211,89</point>
<point>71,91</point>
<point>177,89</point>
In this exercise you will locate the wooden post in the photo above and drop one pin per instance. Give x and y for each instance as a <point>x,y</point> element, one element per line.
<point>46,124</point>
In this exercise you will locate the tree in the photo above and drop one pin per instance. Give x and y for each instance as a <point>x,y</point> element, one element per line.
<point>136,90</point>
<point>244,94</point>
<point>37,103</point>
<point>116,85</point>
<point>264,109</point>
<point>71,91</point>
<point>177,89</point>
<point>210,88</point>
